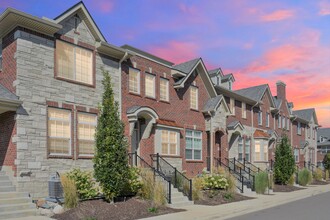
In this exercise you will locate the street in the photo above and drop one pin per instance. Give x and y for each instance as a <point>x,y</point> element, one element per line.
<point>311,208</point>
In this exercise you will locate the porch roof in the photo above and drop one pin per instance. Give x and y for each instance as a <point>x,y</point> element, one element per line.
<point>8,100</point>
<point>260,134</point>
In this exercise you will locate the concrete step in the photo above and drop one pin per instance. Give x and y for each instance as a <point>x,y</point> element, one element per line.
<point>18,206</point>
<point>2,173</point>
<point>15,200</point>
<point>4,177</point>
<point>5,183</point>
<point>5,195</point>
<point>179,199</point>
<point>18,213</point>
<point>180,204</point>
<point>7,188</point>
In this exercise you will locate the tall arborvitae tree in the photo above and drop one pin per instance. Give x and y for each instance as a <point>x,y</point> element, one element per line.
<point>284,165</point>
<point>326,161</point>
<point>110,160</point>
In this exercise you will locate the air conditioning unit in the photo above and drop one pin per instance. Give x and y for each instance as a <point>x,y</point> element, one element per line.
<point>55,189</point>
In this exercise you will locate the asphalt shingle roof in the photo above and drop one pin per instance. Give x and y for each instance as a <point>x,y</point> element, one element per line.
<point>133,109</point>
<point>213,72</point>
<point>277,101</point>
<point>226,77</point>
<point>254,93</point>
<point>305,114</point>
<point>212,103</point>
<point>324,132</point>
<point>6,94</point>
<point>232,125</point>
<point>186,67</point>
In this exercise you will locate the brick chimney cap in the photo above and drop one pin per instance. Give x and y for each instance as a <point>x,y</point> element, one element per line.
<point>280,83</point>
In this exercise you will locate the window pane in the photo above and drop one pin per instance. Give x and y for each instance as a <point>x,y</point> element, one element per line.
<point>164,89</point>
<point>189,154</point>
<point>165,148</point>
<point>173,138</point>
<point>134,80</point>
<point>189,144</point>
<point>86,131</point>
<point>189,133</point>
<point>173,149</point>
<point>150,85</point>
<point>197,154</point>
<point>193,97</point>
<point>65,60</point>
<point>84,65</point>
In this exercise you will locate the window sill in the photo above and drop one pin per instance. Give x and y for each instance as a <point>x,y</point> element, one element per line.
<point>167,102</point>
<point>151,98</point>
<point>85,157</point>
<point>75,82</point>
<point>60,156</point>
<point>195,110</point>
<point>135,94</point>
<point>194,161</point>
<point>170,156</point>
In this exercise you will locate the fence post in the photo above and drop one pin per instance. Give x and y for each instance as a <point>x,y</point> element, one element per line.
<point>234,164</point>
<point>190,190</point>
<point>136,157</point>
<point>169,192</point>
<point>157,161</point>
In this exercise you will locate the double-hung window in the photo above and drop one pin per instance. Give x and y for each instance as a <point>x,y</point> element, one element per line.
<point>296,155</point>
<point>283,122</point>
<point>240,148</point>
<point>279,121</point>
<point>287,123</point>
<point>134,81</point>
<point>193,97</point>
<point>247,149</point>
<point>267,119</point>
<point>260,117</point>
<point>74,63</point>
<point>243,110</point>
<point>59,132</point>
<point>261,150</point>
<point>232,106</point>
<point>299,128</point>
<point>164,89</point>
<point>193,145</point>
<point>150,81</point>
<point>169,142</point>
<point>86,132</point>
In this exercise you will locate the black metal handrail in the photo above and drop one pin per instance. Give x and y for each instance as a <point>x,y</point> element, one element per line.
<point>246,171</point>
<point>179,180</point>
<point>310,166</point>
<point>133,161</point>
<point>253,167</point>
<point>235,174</point>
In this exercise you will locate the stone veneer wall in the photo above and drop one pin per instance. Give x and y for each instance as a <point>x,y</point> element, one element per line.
<point>36,86</point>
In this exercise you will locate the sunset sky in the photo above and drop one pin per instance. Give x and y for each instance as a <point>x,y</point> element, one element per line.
<point>259,41</point>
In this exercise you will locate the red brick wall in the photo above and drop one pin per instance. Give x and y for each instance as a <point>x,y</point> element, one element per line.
<point>8,74</point>
<point>296,139</point>
<point>177,109</point>
<point>7,147</point>
<point>238,113</point>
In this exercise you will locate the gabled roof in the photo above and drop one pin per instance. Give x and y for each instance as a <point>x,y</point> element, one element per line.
<point>233,125</point>
<point>187,68</point>
<point>278,102</point>
<point>84,14</point>
<point>227,77</point>
<point>232,94</point>
<point>306,114</point>
<point>213,103</point>
<point>260,134</point>
<point>256,93</point>
<point>215,72</point>
<point>324,132</point>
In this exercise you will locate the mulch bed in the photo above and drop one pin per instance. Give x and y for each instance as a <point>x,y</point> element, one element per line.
<point>98,209</point>
<point>219,197</point>
<point>317,182</point>
<point>285,188</point>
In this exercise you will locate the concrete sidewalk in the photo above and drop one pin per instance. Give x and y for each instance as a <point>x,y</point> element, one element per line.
<point>240,208</point>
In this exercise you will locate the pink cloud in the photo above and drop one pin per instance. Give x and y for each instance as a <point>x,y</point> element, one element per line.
<point>176,51</point>
<point>104,6</point>
<point>278,15</point>
<point>324,8</point>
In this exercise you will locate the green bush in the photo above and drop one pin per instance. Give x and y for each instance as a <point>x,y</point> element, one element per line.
<point>318,174</point>
<point>304,177</point>
<point>261,182</point>
<point>292,180</point>
<point>134,183</point>
<point>215,182</point>
<point>228,196</point>
<point>85,184</point>
<point>326,161</point>
<point>327,175</point>
<point>284,165</point>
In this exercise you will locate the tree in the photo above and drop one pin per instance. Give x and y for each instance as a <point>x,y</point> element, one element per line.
<point>284,165</point>
<point>110,159</point>
<point>326,161</point>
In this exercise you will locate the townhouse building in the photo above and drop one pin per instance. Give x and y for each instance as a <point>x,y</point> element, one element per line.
<point>50,90</point>
<point>323,145</point>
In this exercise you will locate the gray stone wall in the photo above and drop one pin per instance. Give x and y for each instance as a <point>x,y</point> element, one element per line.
<point>35,85</point>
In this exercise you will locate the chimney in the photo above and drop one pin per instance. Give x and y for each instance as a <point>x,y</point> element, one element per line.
<point>280,86</point>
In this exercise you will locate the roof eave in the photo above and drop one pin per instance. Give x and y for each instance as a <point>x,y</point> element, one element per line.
<point>12,18</point>
<point>113,51</point>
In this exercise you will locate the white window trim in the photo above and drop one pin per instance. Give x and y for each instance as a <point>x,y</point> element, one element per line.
<point>138,81</point>
<point>267,120</point>
<point>70,126</point>
<point>240,147</point>
<point>243,110</point>
<point>294,153</point>
<point>263,144</point>
<point>260,115</point>
<point>193,145</point>
<point>167,90</point>
<point>95,124</point>
<point>279,121</point>
<point>247,140</point>
<point>193,107</point>
<point>232,106</point>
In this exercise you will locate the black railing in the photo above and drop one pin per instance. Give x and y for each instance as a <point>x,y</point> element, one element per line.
<point>178,179</point>
<point>208,163</point>
<point>136,160</point>
<point>310,166</point>
<point>246,171</point>
<point>252,167</point>
<point>271,164</point>
<point>240,179</point>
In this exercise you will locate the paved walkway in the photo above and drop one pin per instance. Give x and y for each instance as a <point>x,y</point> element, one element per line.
<point>240,208</point>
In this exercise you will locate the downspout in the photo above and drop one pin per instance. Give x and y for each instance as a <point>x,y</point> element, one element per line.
<point>120,75</point>
<point>292,130</point>
<point>211,144</point>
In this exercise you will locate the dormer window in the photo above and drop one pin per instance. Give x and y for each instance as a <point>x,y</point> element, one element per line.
<point>194,97</point>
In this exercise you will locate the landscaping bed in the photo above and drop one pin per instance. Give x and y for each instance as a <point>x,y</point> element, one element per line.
<point>218,197</point>
<point>286,188</point>
<point>98,209</point>
<point>318,182</point>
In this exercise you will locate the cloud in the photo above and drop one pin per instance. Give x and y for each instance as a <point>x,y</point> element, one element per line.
<point>175,51</point>
<point>324,8</point>
<point>278,15</point>
<point>104,6</point>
